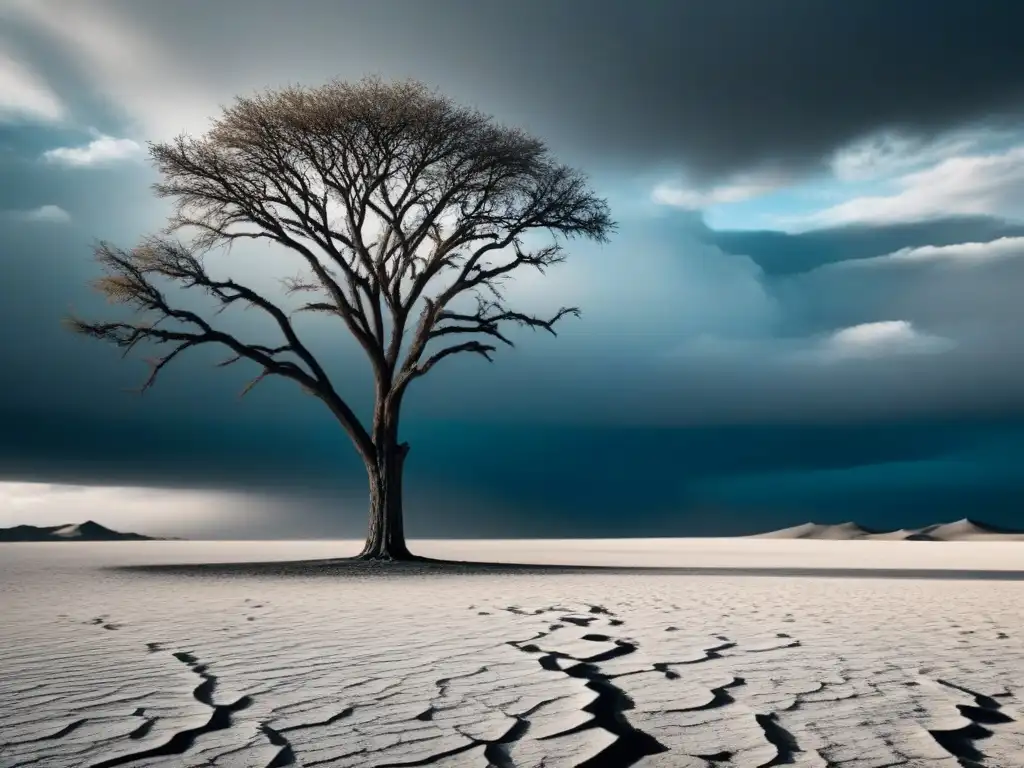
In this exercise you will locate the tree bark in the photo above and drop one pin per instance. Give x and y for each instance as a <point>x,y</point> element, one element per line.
<point>386,537</point>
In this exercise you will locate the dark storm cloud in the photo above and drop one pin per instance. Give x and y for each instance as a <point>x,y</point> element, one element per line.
<point>554,480</point>
<point>714,87</point>
<point>727,85</point>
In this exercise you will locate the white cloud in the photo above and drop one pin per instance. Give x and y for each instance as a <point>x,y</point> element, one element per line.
<point>124,63</point>
<point>991,184</point>
<point>885,154</point>
<point>738,189</point>
<point>965,254</point>
<point>880,339</point>
<point>966,293</point>
<point>52,214</point>
<point>23,94</point>
<point>100,151</point>
<point>867,341</point>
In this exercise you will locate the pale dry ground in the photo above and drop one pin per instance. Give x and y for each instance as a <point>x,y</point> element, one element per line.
<point>106,667</point>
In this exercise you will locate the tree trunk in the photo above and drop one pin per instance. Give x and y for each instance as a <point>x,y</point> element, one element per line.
<point>386,538</point>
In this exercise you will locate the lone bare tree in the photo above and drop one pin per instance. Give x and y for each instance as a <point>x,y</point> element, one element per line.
<point>405,213</point>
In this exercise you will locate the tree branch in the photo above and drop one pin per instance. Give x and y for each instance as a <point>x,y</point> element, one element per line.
<point>468,346</point>
<point>486,320</point>
<point>129,280</point>
<point>216,191</point>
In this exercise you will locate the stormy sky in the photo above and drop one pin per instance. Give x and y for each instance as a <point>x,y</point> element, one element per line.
<point>811,308</point>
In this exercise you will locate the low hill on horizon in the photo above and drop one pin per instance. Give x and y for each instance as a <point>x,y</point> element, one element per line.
<point>960,530</point>
<point>87,531</point>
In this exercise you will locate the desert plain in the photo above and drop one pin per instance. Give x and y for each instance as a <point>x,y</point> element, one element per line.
<point>728,652</point>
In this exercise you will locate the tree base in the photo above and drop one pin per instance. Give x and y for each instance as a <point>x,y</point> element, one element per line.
<point>387,556</point>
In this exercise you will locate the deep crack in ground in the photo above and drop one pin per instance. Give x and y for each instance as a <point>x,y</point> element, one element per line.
<point>962,742</point>
<point>611,703</point>
<point>181,741</point>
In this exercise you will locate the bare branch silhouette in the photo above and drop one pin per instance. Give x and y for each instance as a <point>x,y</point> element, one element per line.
<point>394,201</point>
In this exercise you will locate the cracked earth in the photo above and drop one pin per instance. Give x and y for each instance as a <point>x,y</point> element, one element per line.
<point>102,669</point>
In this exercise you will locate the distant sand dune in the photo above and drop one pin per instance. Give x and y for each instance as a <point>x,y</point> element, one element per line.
<point>87,531</point>
<point>961,530</point>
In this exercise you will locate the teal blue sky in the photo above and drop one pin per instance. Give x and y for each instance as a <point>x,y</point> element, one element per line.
<point>810,309</point>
